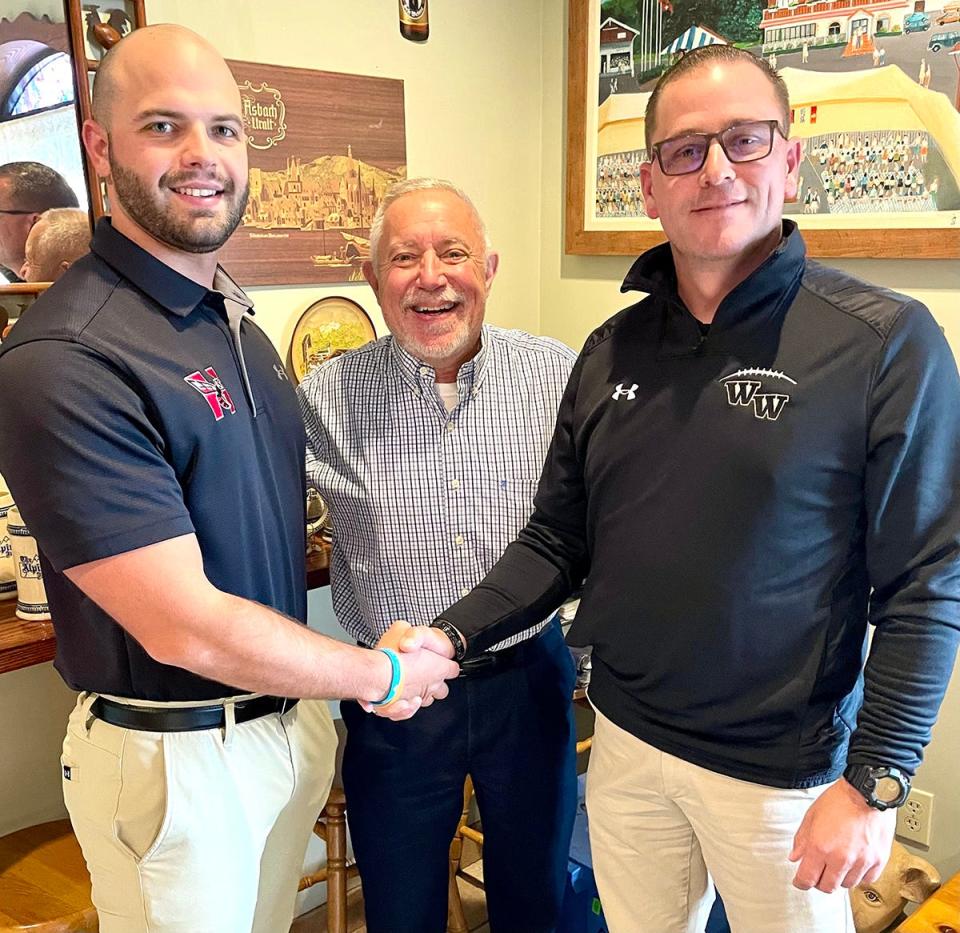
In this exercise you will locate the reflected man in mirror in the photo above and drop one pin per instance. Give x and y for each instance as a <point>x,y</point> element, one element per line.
<point>58,238</point>
<point>27,189</point>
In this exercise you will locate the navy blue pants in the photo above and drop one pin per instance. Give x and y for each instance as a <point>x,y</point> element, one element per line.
<point>512,731</point>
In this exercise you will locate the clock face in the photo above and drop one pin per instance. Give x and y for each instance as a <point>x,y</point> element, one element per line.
<point>887,789</point>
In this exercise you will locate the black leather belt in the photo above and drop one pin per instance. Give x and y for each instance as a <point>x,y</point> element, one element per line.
<point>492,662</point>
<point>185,718</point>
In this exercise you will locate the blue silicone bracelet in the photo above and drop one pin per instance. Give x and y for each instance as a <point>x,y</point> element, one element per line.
<point>395,676</point>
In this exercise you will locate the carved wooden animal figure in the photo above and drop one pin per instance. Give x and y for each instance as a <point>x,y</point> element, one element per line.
<point>907,877</point>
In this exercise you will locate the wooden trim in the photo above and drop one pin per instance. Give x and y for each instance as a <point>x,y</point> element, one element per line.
<point>24,288</point>
<point>74,13</point>
<point>82,68</point>
<point>850,243</point>
<point>39,28</point>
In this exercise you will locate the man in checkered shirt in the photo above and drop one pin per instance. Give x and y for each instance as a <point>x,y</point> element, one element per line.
<point>428,446</point>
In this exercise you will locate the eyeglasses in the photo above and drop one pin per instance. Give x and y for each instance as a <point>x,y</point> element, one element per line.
<point>20,212</point>
<point>741,142</point>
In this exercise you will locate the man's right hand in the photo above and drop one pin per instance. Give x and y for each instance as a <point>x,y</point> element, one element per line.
<point>402,636</point>
<point>425,656</point>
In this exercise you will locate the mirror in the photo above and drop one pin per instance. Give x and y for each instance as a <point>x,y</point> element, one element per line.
<point>49,50</point>
<point>38,121</point>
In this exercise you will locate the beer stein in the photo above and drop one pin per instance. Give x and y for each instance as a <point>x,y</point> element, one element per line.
<point>8,579</point>
<point>31,596</point>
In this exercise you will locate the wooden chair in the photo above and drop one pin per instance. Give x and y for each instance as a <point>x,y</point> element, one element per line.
<point>456,921</point>
<point>44,884</point>
<point>331,827</point>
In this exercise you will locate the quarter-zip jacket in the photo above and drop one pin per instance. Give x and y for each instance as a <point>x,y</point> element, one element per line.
<point>731,501</point>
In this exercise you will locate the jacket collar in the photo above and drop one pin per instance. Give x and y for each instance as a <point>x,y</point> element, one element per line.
<point>763,295</point>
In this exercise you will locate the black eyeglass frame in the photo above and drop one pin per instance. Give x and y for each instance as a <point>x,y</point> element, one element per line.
<point>718,136</point>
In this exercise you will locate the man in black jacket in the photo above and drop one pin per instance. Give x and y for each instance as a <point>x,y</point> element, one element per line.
<point>749,465</point>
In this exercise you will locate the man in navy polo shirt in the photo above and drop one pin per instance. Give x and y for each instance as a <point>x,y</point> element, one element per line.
<point>156,450</point>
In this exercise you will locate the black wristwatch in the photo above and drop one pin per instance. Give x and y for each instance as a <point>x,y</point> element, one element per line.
<point>883,787</point>
<point>456,639</point>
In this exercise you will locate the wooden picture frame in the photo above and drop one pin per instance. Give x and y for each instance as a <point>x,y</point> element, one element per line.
<point>583,238</point>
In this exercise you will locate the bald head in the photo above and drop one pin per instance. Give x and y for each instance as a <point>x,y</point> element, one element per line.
<point>147,55</point>
<point>168,139</point>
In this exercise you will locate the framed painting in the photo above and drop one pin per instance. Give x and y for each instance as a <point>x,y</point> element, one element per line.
<point>874,88</point>
<point>323,148</point>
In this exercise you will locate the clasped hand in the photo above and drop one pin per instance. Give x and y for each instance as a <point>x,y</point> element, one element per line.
<point>425,654</point>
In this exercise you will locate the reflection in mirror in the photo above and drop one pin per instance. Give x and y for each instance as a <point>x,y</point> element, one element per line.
<point>41,164</point>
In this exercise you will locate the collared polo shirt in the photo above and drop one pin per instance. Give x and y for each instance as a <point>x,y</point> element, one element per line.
<point>140,406</point>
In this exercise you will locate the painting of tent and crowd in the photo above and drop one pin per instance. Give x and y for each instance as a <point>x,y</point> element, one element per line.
<point>874,86</point>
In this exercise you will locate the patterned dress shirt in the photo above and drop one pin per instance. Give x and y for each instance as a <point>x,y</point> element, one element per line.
<point>423,501</point>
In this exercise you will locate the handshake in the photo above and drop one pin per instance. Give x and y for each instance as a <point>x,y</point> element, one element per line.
<point>424,655</point>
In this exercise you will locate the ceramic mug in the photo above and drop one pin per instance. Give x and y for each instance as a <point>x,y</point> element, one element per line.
<point>31,596</point>
<point>8,579</point>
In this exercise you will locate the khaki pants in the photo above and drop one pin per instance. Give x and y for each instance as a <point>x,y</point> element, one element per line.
<point>662,830</point>
<point>197,832</point>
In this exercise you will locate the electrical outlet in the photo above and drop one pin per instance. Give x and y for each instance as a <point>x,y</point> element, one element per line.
<point>915,817</point>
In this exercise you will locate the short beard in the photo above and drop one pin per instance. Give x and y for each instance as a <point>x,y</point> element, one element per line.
<point>191,236</point>
<point>431,354</point>
<point>455,343</point>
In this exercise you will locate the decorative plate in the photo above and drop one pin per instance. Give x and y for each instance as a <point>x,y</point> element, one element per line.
<point>327,328</point>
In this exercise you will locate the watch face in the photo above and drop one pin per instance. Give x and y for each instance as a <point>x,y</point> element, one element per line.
<point>887,789</point>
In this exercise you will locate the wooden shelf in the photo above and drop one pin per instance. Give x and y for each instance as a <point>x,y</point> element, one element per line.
<point>23,644</point>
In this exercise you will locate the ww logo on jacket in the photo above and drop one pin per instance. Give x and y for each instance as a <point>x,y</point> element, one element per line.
<point>744,390</point>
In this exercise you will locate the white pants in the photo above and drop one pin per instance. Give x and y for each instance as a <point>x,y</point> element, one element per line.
<point>663,830</point>
<point>197,832</point>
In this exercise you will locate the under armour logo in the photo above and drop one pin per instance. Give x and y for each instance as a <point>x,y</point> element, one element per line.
<point>630,393</point>
<point>280,371</point>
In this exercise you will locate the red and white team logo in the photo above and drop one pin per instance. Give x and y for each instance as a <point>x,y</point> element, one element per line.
<point>208,384</point>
